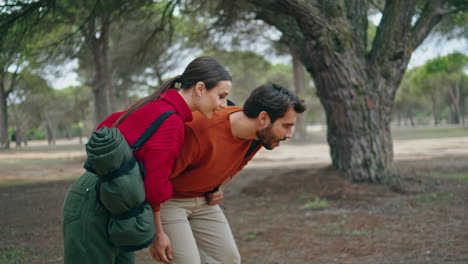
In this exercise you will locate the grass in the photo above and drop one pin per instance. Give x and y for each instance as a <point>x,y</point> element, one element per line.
<point>445,175</point>
<point>337,230</point>
<point>405,133</point>
<point>317,204</point>
<point>434,197</point>
<point>13,256</point>
<point>303,197</point>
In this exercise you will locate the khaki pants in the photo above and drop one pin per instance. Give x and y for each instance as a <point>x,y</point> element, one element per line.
<point>199,232</point>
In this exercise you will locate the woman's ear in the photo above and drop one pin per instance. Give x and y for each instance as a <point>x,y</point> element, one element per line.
<point>200,88</point>
<point>263,119</point>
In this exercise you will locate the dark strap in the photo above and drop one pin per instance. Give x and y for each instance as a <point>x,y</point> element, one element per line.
<point>150,131</point>
<point>252,147</point>
<point>130,213</point>
<point>125,168</point>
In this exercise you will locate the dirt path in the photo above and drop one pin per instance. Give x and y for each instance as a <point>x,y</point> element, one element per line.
<point>66,162</point>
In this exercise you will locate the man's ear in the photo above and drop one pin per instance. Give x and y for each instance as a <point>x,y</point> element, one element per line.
<point>200,88</point>
<point>263,120</point>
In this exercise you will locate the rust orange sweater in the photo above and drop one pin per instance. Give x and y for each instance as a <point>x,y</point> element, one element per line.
<point>210,155</point>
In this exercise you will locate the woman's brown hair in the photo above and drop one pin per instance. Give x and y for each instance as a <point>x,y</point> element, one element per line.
<point>203,69</point>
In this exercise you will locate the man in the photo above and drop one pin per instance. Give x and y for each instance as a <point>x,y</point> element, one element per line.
<point>192,227</point>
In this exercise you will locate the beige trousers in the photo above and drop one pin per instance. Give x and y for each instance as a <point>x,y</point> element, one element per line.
<point>199,232</point>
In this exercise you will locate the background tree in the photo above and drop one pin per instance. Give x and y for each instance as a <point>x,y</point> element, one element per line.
<point>449,70</point>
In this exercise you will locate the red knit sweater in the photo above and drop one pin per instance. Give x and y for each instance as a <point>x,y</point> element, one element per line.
<point>160,151</point>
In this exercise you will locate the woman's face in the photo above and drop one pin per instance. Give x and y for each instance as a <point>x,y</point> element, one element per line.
<point>214,99</point>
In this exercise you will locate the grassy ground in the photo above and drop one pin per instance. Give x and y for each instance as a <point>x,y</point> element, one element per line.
<point>406,133</point>
<point>287,214</point>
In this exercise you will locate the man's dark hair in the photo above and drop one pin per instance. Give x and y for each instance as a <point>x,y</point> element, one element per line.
<point>273,99</point>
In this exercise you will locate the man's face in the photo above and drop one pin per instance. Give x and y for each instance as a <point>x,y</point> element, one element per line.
<point>280,130</point>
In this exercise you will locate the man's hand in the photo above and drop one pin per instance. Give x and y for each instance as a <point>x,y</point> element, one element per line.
<point>215,198</point>
<point>160,249</point>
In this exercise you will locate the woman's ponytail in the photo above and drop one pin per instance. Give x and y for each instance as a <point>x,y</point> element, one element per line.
<point>148,99</point>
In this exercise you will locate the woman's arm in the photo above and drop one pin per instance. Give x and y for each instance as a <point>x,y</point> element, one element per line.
<point>161,249</point>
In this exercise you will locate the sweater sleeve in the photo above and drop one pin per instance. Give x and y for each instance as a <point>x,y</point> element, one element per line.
<point>157,185</point>
<point>158,156</point>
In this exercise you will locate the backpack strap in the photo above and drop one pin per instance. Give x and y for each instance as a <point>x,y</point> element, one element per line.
<point>252,147</point>
<point>150,131</point>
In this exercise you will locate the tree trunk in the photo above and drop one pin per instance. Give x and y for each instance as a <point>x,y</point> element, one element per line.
<point>18,131</point>
<point>411,118</point>
<point>4,140</point>
<point>102,83</point>
<point>49,131</point>
<point>299,83</point>
<point>455,98</point>
<point>359,132</point>
<point>100,106</point>
<point>435,112</point>
<point>399,118</point>
<point>356,87</point>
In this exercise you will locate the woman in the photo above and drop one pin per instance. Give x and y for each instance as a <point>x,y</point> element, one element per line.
<point>204,87</point>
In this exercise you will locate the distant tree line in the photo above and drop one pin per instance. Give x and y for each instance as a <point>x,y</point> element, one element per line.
<point>434,93</point>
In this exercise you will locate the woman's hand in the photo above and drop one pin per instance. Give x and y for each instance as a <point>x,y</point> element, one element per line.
<point>215,197</point>
<point>160,249</point>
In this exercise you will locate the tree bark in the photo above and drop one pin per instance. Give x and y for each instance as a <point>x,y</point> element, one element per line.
<point>50,131</point>
<point>299,83</point>
<point>454,93</point>
<point>4,140</point>
<point>357,88</point>
<point>435,111</point>
<point>104,94</point>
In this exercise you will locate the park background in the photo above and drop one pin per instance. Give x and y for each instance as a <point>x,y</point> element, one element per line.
<point>376,172</point>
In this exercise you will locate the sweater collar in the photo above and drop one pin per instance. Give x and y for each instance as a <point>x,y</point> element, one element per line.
<point>172,97</point>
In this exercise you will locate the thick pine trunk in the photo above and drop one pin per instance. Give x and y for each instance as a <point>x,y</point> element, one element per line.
<point>101,109</point>
<point>102,84</point>
<point>4,140</point>
<point>358,132</point>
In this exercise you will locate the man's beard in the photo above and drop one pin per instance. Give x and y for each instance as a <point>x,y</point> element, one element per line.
<point>266,137</point>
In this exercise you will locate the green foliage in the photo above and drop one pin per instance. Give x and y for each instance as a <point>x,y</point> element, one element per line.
<point>251,236</point>
<point>35,133</point>
<point>437,87</point>
<point>14,256</point>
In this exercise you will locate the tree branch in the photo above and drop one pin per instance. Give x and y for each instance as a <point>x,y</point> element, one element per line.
<point>14,77</point>
<point>308,14</point>
<point>357,16</point>
<point>431,15</point>
<point>376,6</point>
<point>393,34</point>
